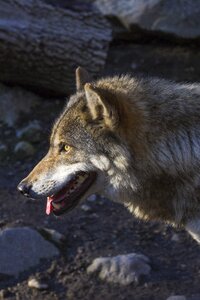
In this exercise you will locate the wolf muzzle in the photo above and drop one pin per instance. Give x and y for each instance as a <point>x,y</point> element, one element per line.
<point>24,188</point>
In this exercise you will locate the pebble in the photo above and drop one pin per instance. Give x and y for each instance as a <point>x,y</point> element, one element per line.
<point>175,237</point>
<point>5,294</point>
<point>194,297</point>
<point>31,133</point>
<point>86,207</point>
<point>92,198</point>
<point>134,66</point>
<point>23,149</point>
<point>36,284</point>
<point>177,297</point>
<point>122,269</point>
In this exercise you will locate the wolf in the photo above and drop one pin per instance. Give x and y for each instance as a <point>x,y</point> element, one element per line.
<point>133,140</point>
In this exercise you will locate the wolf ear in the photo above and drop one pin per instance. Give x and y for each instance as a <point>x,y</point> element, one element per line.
<point>82,77</point>
<point>101,109</point>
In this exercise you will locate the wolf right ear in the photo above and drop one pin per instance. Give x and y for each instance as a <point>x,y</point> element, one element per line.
<point>101,106</point>
<point>82,77</point>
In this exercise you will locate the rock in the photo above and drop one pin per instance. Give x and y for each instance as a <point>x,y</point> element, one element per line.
<point>176,298</point>
<point>177,18</point>
<point>31,133</point>
<point>36,284</point>
<point>122,269</point>
<point>23,149</point>
<point>22,248</point>
<point>194,297</point>
<point>14,101</point>
<point>86,207</point>
<point>6,294</point>
<point>134,66</point>
<point>3,151</point>
<point>175,237</point>
<point>92,198</point>
<point>53,235</point>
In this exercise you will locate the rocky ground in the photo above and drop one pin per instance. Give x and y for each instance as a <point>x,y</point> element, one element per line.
<point>99,228</point>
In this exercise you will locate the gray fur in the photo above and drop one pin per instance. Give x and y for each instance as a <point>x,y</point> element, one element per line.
<point>142,138</point>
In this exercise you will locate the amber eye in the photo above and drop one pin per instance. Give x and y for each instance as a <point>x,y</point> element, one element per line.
<point>67,148</point>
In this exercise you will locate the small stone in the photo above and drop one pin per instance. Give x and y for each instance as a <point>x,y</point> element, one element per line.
<point>94,215</point>
<point>194,297</point>
<point>31,133</point>
<point>92,198</point>
<point>122,269</point>
<point>3,222</point>
<point>5,294</point>
<point>36,284</point>
<point>86,208</point>
<point>177,297</point>
<point>175,237</point>
<point>134,66</point>
<point>24,149</point>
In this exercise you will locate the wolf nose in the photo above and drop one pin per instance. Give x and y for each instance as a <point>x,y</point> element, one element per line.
<point>24,188</point>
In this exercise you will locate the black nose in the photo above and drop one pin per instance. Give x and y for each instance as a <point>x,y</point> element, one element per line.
<point>24,188</point>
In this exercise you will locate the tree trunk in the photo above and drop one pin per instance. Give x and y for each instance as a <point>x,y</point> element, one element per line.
<point>41,45</point>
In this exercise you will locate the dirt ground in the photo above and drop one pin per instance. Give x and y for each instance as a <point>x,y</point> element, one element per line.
<point>108,229</point>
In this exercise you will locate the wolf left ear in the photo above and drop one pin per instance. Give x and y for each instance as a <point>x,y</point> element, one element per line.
<point>82,77</point>
<point>100,105</point>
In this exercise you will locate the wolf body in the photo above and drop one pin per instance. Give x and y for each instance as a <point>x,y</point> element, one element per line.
<point>135,141</point>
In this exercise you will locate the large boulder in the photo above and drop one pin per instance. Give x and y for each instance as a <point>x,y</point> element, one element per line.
<point>22,248</point>
<point>175,17</point>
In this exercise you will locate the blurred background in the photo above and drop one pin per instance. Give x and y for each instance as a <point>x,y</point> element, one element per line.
<point>41,44</point>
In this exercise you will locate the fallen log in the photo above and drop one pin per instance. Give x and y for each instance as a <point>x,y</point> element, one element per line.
<point>41,45</point>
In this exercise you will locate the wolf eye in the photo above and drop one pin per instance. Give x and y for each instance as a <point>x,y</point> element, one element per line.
<point>67,148</point>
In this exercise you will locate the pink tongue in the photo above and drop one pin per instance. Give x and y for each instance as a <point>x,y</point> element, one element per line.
<point>49,206</point>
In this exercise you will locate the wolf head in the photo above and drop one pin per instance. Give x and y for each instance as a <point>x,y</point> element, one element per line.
<point>88,151</point>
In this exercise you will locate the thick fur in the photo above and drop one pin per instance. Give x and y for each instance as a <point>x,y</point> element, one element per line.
<point>142,137</point>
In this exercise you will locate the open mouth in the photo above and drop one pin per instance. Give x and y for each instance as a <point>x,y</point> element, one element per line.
<point>69,196</point>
